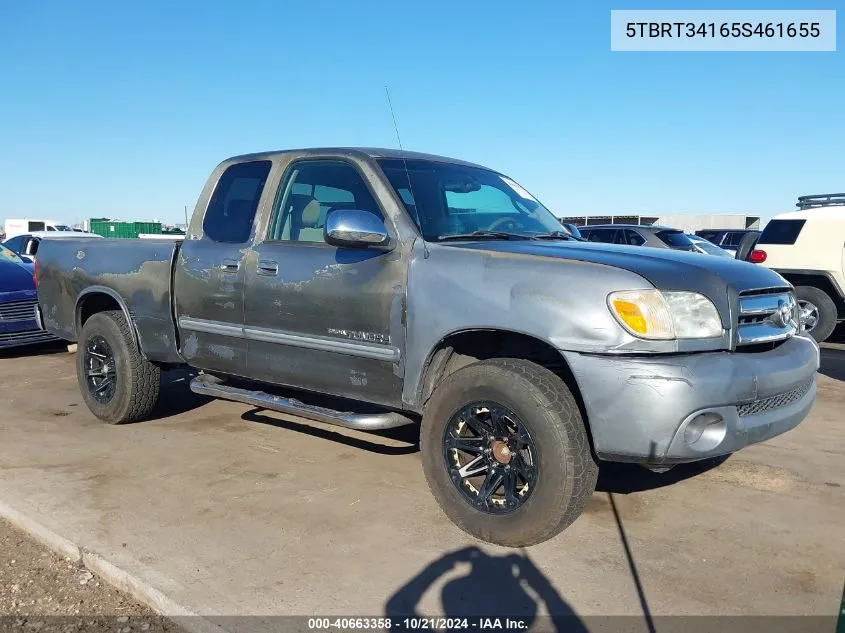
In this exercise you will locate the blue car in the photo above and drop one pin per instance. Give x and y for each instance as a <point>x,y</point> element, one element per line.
<point>18,300</point>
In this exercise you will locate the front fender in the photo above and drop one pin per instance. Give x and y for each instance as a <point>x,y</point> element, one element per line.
<point>560,302</point>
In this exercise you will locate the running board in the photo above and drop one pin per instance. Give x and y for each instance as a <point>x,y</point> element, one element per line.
<point>208,385</point>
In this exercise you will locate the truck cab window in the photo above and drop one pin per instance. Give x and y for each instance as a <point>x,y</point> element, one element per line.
<point>231,210</point>
<point>311,191</point>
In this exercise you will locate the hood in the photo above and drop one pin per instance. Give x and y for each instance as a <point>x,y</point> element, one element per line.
<point>15,277</point>
<point>719,278</point>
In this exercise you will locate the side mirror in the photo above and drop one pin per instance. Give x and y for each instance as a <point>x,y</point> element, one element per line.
<point>355,228</point>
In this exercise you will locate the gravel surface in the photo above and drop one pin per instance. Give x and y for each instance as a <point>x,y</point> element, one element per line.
<point>41,592</point>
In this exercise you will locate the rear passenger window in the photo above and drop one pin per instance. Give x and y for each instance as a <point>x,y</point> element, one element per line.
<point>733,238</point>
<point>602,235</point>
<point>632,238</point>
<point>781,232</point>
<point>231,210</point>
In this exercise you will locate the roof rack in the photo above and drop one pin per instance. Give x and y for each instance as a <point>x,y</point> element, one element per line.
<point>820,200</point>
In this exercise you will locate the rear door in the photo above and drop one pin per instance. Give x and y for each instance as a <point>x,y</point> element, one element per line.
<point>208,281</point>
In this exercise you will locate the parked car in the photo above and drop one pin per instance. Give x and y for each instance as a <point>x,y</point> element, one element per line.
<point>18,303</point>
<point>700,245</point>
<point>417,289</point>
<point>638,235</point>
<point>807,247</point>
<point>728,239</point>
<point>26,245</point>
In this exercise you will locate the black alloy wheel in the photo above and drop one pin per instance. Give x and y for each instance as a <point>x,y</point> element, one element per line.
<point>490,457</point>
<point>100,369</point>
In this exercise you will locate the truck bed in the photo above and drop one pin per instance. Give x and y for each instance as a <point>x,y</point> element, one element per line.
<point>135,274</point>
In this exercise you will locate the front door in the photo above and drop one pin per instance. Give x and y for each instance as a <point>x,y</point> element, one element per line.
<point>209,277</point>
<point>320,317</point>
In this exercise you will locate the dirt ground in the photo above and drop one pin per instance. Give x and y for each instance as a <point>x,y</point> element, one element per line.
<point>41,591</point>
<point>233,511</point>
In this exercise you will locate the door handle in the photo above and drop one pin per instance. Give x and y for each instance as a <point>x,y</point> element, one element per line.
<point>230,265</point>
<point>268,268</point>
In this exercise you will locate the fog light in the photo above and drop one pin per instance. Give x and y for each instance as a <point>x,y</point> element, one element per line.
<point>705,431</point>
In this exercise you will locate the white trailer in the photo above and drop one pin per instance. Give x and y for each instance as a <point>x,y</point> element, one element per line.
<point>20,226</point>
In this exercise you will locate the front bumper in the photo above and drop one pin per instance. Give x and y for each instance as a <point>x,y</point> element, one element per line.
<point>21,324</point>
<point>680,408</point>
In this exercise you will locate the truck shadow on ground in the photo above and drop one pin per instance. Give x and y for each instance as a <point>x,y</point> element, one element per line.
<point>176,396</point>
<point>476,584</point>
<point>28,351</point>
<point>625,479</point>
<point>409,435</point>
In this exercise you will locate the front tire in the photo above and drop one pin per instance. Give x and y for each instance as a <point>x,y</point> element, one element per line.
<point>817,311</point>
<point>505,452</point>
<point>117,383</point>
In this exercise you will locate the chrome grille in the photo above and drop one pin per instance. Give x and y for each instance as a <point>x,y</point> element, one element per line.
<point>776,401</point>
<point>18,310</point>
<point>766,316</point>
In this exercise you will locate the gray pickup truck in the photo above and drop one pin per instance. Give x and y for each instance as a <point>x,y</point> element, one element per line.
<point>410,288</point>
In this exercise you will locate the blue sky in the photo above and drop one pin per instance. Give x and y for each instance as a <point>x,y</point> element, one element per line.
<point>121,109</point>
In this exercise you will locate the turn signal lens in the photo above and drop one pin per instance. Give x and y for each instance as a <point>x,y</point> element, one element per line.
<point>643,313</point>
<point>631,315</point>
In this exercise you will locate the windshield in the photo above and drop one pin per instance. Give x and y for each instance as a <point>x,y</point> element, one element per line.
<point>10,256</point>
<point>708,247</point>
<point>446,199</point>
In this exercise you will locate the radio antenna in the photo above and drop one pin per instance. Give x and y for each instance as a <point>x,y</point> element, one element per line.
<point>407,173</point>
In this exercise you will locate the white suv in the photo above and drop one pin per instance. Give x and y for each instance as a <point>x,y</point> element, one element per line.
<point>807,247</point>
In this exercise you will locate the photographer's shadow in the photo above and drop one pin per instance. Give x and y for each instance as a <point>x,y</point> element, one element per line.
<point>508,586</point>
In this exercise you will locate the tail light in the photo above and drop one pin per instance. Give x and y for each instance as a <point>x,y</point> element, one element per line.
<point>35,271</point>
<point>757,256</point>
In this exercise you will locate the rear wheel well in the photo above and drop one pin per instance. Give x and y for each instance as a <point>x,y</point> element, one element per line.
<point>821,282</point>
<point>464,348</point>
<point>96,302</point>
<point>93,303</point>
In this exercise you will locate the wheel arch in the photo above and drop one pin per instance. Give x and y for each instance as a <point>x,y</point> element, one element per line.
<point>101,299</point>
<point>821,281</point>
<point>463,347</point>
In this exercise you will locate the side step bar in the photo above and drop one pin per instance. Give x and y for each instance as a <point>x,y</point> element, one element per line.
<point>208,385</point>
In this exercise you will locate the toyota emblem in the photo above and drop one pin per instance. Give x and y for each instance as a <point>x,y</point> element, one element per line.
<point>783,315</point>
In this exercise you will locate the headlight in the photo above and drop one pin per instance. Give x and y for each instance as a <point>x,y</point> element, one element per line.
<point>653,314</point>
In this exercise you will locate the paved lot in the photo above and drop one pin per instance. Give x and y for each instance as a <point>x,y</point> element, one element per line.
<point>229,510</point>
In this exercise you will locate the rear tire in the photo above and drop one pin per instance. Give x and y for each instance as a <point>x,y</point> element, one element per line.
<point>117,383</point>
<point>541,404</point>
<point>816,302</point>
